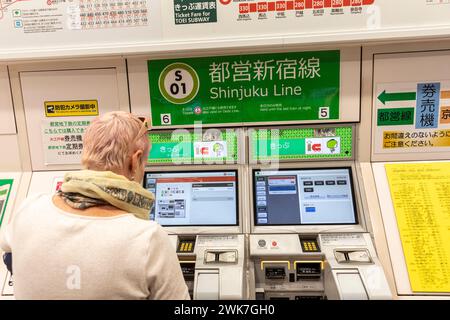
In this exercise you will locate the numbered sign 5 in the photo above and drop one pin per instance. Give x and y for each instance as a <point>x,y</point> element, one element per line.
<point>179,83</point>
<point>324,113</point>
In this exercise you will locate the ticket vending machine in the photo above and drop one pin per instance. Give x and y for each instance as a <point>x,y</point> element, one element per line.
<point>30,184</point>
<point>309,235</point>
<point>13,181</point>
<point>201,207</point>
<point>13,188</point>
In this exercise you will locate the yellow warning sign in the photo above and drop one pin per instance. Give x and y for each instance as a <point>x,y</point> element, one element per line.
<point>416,139</point>
<point>71,108</point>
<point>419,193</point>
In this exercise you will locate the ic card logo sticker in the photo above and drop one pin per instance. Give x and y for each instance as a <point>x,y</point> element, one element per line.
<point>323,146</point>
<point>213,149</point>
<point>219,150</point>
<point>314,146</point>
<point>179,83</point>
<point>333,145</point>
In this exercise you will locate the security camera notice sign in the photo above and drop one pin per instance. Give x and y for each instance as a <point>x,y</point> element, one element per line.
<point>71,108</point>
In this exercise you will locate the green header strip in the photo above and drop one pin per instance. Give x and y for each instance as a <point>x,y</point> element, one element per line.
<point>301,143</point>
<point>189,147</point>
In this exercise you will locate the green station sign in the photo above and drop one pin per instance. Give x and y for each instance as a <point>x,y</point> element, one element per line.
<point>288,144</point>
<point>186,147</point>
<point>259,88</point>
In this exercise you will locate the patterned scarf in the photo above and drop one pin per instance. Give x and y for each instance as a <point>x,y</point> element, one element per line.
<point>86,188</point>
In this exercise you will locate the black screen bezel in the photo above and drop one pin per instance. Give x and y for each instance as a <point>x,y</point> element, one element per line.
<point>355,211</point>
<point>198,171</point>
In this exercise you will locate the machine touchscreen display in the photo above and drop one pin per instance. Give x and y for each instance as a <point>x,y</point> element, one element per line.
<point>304,197</point>
<point>195,198</point>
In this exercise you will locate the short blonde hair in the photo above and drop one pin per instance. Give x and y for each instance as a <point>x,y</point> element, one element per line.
<point>111,139</point>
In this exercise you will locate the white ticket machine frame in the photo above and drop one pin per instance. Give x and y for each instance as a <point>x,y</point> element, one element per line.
<point>316,261</point>
<point>17,194</point>
<point>31,183</point>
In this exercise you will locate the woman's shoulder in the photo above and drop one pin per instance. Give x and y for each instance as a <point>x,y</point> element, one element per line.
<point>38,202</point>
<point>37,199</point>
<point>148,226</point>
<point>149,233</point>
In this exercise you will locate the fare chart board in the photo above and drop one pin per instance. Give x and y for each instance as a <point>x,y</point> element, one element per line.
<point>38,28</point>
<point>65,25</point>
<point>419,193</point>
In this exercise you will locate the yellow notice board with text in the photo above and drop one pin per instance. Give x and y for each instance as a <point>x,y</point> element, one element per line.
<point>421,197</point>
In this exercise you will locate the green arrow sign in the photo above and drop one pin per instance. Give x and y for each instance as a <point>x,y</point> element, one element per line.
<point>396,96</point>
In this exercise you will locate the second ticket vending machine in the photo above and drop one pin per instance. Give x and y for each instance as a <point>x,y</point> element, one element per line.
<point>310,234</point>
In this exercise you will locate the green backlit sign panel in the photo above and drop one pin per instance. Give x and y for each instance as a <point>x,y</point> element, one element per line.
<point>5,192</point>
<point>293,86</point>
<point>187,147</point>
<point>288,144</point>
